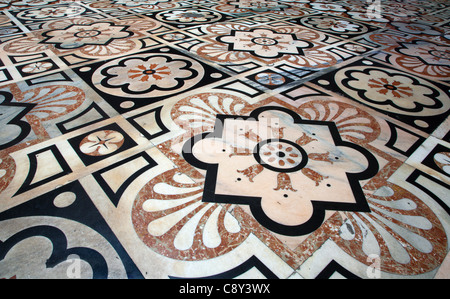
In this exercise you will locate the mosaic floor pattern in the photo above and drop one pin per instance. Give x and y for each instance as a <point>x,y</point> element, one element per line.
<point>224,139</point>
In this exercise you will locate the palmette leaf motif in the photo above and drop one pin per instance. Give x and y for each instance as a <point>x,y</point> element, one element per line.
<point>53,101</point>
<point>401,230</point>
<point>170,208</point>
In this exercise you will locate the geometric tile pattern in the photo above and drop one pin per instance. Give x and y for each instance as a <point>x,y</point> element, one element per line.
<point>224,139</point>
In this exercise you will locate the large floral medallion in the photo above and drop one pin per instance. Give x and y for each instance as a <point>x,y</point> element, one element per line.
<point>259,168</point>
<point>265,43</point>
<point>185,17</point>
<point>427,54</point>
<point>271,159</point>
<point>76,36</point>
<point>285,8</point>
<point>231,43</point>
<point>51,12</point>
<point>85,36</point>
<point>423,58</point>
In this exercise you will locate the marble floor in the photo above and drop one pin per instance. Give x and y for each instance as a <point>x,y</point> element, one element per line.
<point>224,139</point>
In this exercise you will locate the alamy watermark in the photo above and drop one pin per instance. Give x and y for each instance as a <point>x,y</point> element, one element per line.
<point>373,11</point>
<point>74,268</point>
<point>240,134</point>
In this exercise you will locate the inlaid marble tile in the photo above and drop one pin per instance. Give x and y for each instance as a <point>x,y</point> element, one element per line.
<point>224,139</point>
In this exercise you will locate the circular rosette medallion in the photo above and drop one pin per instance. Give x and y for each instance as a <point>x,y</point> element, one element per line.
<point>148,75</point>
<point>393,91</point>
<point>101,143</point>
<point>188,16</point>
<point>280,155</point>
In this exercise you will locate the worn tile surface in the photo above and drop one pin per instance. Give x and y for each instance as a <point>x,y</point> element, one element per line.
<point>255,139</point>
